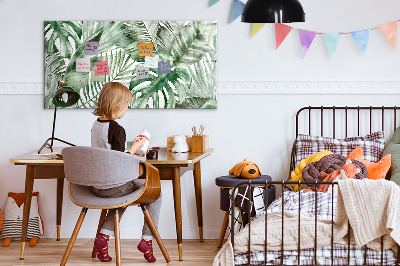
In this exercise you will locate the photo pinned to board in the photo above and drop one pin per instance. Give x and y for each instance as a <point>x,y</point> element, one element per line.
<point>145,48</point>
<point>142,72</point>
<point>91,48</point>
<point>164,67</point>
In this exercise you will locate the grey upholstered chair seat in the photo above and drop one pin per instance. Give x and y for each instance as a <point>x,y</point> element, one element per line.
<point>83,196</point>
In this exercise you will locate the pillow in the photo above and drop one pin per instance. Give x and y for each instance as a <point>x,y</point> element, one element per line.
<point>393,148</point>
<point>372,144</point>
<point>375,170</point>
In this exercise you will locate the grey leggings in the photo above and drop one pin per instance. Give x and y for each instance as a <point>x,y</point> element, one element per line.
<point>154,208</point>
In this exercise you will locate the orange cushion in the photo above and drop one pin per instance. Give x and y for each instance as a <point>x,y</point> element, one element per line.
<point>375,170</point>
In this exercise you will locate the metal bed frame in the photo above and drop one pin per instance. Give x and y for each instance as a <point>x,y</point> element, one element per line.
<point>283,184</point>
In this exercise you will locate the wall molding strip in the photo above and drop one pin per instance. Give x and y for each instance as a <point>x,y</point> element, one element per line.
<point>260,87</point>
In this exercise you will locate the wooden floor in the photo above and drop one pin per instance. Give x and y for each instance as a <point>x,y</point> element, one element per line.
<point>50,252</point>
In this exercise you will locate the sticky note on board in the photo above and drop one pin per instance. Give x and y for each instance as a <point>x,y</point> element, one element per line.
<point>91,48</point>
<point>100,78</point>
<point>142,72</point>
<point>151,61</point>
<point>145,48</point>
<point>164,67</point>
<point>83,65</point>
<point>101,68</point>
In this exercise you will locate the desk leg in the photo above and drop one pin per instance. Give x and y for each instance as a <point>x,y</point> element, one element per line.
<point>60,190</point>
<point>27,206</point>
<point>176,182</point>
<point>199,204</point>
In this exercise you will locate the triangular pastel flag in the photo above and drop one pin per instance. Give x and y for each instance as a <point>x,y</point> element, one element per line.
<point>390,32</point>
<point>237,9</point>
<point>281,31</point>
<point>332,41</point>
<point>361,37</point>
<point>255,28</point>
<point>213,2</point>
<point>306,39</point>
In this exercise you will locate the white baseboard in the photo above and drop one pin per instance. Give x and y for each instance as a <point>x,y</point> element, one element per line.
<point>259,87</point>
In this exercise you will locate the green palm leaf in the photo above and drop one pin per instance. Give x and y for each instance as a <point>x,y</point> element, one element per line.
<point>121,67</point>
<point>171,86</point>
<point>189,46</point>
<point>62,33</point>
<point>54,68</point>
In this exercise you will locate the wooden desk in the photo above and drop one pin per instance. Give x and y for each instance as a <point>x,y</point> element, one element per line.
<point>168,164</point>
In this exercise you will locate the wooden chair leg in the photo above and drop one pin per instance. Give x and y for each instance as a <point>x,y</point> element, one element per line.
<point>73,237</point>
<point>223,229</point>
<point>117,238</point>
<point>154,230</point>
<point>101,222</point>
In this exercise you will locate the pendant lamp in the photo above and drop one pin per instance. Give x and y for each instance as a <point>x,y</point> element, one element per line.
<point>273,11</point>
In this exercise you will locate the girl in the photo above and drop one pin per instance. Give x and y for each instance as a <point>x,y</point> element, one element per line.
<point>106,133</point>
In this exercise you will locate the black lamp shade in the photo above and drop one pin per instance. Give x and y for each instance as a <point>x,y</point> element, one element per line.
<point>273,11</point>
<point>65,96</point>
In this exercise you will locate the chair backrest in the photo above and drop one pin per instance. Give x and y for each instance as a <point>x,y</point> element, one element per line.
<point>92,166</point>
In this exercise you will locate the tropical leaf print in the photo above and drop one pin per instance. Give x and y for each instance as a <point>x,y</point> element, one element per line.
<point>190,46</point>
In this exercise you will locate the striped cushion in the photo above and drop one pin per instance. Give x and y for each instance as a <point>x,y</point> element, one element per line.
<point>13,228</point>
<point>372,145</point>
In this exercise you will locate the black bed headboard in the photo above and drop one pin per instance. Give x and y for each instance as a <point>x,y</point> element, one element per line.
<point>344,121</point>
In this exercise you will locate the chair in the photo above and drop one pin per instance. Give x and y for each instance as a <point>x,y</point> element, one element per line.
<point>85,167</point>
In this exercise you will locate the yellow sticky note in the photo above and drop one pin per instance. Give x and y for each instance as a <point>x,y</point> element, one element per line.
<point>145,48</point>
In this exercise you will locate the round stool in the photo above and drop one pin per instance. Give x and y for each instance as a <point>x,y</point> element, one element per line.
<point>228,182</point>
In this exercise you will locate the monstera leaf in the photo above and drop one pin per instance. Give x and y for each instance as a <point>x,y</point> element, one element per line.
<point>63,32</point>
<point>121,67</point>
<point>172,87</point>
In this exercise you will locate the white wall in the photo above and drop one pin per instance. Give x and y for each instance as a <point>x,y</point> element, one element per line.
<point>259,127</point>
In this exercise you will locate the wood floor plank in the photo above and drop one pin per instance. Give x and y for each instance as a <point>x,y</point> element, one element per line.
<point>49,252</point>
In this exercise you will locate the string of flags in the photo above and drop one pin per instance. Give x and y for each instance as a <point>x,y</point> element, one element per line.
<point>361,37</point>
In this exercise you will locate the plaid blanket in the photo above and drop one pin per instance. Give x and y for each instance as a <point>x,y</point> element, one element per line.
<point>323,205</point>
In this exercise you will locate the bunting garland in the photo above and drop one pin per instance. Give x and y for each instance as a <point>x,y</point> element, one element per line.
<point>281,31</point>
<point>332,41</point>
<point>237,8</point>
<point>361,37</point>
<point>213,2</point>
<point>306,39</point>
<point>389,30</point>
<point>256,28</point>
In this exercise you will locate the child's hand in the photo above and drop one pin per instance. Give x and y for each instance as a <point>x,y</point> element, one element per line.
<point>142,155</point>
<point>137,144</point>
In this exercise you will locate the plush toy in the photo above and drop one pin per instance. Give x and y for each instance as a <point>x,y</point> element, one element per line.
<point>296,174</point>
<point>13,215</point>
<point>245,169</point>
<point>375,170</point>
<point>180,144</point>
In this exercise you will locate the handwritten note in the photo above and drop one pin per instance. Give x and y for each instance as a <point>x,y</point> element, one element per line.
<point>91,48</point>
<point>93,77</point>
<point>83,65</point>
<point>142,72</point>
<point>164,67</point>
<point>145,48</point>
<point>151,61</point>
<point>101,68</point>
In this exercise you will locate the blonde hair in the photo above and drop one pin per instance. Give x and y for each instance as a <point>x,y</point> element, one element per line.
<point>113,98</point>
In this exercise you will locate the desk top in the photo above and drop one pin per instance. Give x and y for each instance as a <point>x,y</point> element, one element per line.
<point>164,157</point>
